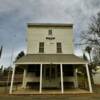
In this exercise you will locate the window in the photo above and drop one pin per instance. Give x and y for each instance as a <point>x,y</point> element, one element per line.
<point>50,32</point>
<point>68,71</point>
<point>41,47</point>
<point>59,48</point>
<point>34,69</point>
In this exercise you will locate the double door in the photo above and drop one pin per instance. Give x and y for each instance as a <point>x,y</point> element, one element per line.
<point>50,76</point>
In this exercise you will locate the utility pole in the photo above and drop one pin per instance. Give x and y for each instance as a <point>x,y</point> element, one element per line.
<point>11,63</point>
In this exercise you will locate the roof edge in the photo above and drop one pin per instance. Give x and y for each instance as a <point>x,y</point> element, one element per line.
<point>50,24</point>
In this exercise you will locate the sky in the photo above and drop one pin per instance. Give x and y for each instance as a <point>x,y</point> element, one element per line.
<point>15,14</point>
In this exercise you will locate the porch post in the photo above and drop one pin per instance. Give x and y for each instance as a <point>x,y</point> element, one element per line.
<point>12,80</point>
<point>24,78</point>
<point>61,71</point>
<point>76,80</point>
<point>89,80</point>
<point>40,78</point>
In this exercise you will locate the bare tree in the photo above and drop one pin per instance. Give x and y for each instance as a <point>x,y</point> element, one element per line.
<point>92,35</point>
<point>90,39</point>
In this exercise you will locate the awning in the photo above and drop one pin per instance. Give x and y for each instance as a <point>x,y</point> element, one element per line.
<point>50,59</point>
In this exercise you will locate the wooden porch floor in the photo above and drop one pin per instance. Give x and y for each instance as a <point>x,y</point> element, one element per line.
<point>68,91</point>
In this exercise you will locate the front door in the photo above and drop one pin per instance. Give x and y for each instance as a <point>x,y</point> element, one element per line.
<point>50,77</point>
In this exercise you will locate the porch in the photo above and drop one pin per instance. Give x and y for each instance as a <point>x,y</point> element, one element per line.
<point>50,76</point>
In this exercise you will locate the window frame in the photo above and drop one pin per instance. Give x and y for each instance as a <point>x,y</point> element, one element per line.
<point>59,47</point>
<point>41,47</point>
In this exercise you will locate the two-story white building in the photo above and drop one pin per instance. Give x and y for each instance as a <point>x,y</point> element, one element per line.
<point>50,61</point>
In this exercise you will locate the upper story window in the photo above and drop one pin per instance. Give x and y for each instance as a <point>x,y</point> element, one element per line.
<point>59,47</point>
<point>41,47</point>
<point>49,32</point>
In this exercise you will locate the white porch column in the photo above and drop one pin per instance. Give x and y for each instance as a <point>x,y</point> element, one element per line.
<point>12,80</point>
<point>61,71</point>
<point>89,80</point>
<point>76,79</point>
<point>24,78</point>
<point>40,78</point>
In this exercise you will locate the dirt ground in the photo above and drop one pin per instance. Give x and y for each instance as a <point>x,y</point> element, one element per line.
<point>51,97</point>
<point>93,96</point>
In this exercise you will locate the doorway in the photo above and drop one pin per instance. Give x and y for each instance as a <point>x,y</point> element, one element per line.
<point>51,76</point>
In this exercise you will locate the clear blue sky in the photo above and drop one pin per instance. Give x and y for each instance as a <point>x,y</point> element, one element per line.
<point>15,14</point>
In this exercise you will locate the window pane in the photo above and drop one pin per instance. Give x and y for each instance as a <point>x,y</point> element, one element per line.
<point>47,73</point>
<point>53,73</point>
<point>41,44</point>
<point>50,32</point>
<point>58,45</point>
<point>59,50</point>
<point>41,50</point>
